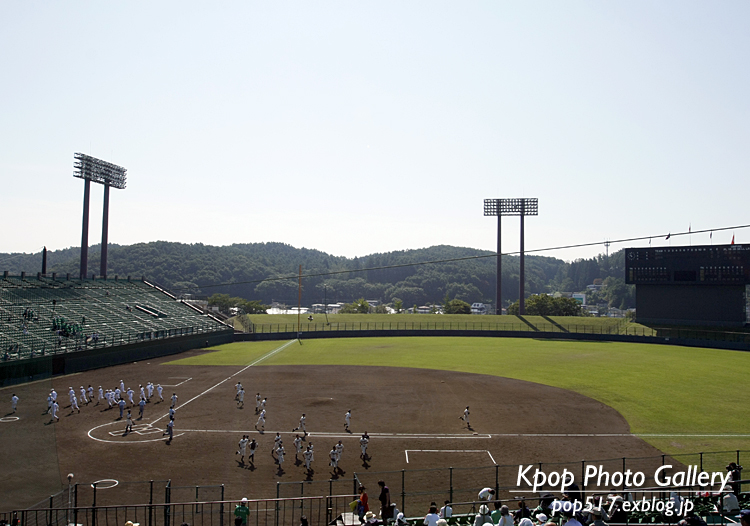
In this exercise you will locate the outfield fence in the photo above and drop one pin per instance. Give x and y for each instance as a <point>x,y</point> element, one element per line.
<point>525,326</point>
<point>320,511</point>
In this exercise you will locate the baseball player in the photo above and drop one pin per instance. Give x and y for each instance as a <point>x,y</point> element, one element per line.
<point>128,422</point>
<point>465,416</point>
<point>53,394</point>
<point>276,443</point>
<point>261,420</point>
<point>280,457</point>
<point>101,395</point>
<point>141,407</point>
<point>174,399</point>
<point>150,389</point>
<point>49,403</point>
<point>363,442</point>
<point>297,447</point>
<point>171,413</point>
<point>121,405</point>
<point>71,395</point>
<point>308,456</point>
<point>237,386</point>
<point>347,419</point>
<point>143,391</point>
<point>74,405</point>
<point>130,396</point>
<point>117,394</point>
<point>169,431</point>
<point>159,390</point>
<point>253,447</point>
<point>122,386</point>
<point>334,462</point>
<point>257,403</point>
<point>301,426</point>
<point>90,391</point>
<point>242,448</point>
<point>55,409</point>
<point>14,402</point>
<point>241,398</point>
<point>263,404</point>
<point>339,450</point>
<point>84,400</point>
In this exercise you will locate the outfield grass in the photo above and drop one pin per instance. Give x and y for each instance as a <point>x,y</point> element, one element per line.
<point>657,388</point>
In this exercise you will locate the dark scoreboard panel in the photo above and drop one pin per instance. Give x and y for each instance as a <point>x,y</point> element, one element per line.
<point>694,265</point>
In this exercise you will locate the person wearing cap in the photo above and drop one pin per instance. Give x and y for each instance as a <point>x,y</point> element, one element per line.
<point>241,512</point>
<point>505,518</point>
<point>745,517</point>
<point>541,519</point>
<point>483,516</point>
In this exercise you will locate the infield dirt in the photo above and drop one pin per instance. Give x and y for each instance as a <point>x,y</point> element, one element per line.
<point>401,409</point>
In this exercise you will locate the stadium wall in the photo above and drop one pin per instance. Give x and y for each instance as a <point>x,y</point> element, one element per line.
<point>686,342</point>
<point>19,371</point>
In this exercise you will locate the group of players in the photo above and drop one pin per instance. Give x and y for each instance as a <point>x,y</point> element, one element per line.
<point>279,453</point>
<point>118,397</point>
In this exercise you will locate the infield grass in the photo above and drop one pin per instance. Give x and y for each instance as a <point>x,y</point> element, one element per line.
<point>657,388</point>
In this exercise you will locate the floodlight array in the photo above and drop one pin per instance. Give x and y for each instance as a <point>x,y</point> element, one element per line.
<point>511,207</point>
<point>98,171</point>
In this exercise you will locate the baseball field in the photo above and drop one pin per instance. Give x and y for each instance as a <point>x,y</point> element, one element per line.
<point>530,400</point>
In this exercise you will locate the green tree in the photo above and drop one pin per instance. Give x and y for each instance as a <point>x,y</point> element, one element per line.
<point>544,305</point>
<point>358,307</point>
<point>398,305</point>
<point>457,307</point>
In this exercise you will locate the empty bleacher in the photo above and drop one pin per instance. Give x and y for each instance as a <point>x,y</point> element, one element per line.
<point>42,315</point>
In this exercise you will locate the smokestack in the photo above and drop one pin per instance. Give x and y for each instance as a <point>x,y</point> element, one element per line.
<point>44,261</point>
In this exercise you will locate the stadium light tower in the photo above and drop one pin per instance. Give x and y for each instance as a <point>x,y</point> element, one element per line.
<point>92,169</point>
<point>510,207</point>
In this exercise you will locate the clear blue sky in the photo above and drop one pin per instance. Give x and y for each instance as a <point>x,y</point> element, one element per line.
<point>361,127</point>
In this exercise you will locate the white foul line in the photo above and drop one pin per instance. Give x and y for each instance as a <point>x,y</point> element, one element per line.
<point>406,452</point>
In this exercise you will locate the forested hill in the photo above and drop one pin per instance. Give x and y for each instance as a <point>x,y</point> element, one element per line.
<point>199,268</point>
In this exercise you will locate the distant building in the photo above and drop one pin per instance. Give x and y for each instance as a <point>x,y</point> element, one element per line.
<point>580,298</point>
<point>480,308</point>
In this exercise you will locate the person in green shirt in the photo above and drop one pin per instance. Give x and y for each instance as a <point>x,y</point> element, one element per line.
<point>241,512</point>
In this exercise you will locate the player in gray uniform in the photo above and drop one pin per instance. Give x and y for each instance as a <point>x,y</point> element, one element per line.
<point>174,400</point>
<point>363,442</point>
<point>257,403</point>
<point>280,457</point>
<point>49,403</point>
<point>14,402</point>
<point>241,398</point>
<point>128,422</point>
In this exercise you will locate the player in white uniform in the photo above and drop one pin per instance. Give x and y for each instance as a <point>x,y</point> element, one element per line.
<point>276,443</point>
<point>174,399</point>
<point>74,405</point>
<point>241,398</point>
<point>253,447</point>
<point>101,395</point>
<point>363,442</point>
<point>261,420</point>
<point>143,392</point>
<point>84,400</point>
<point>117,393</point>
<point>159,390</point>
<point>347,419</point>
<point>301,426</point>
<point>49,403</point>
<point>53,394</point>
<point>339,450</point>
<point>129,422</point>
<point>465,417</point>
<point>150,389</point>
<point>14,402</point>
<point>55,409</point>
<point>297,447</point>
<point>90,392</point>
<point>308,456</point>
<point>71,395</point>
<point>263,404</point>
<point>257,403</point>
<point>334,462</point>
<point>280,457</point>
<point>130,396</point>
<point>237,386</point>
<point>122,386</point>
<point>243,448</point>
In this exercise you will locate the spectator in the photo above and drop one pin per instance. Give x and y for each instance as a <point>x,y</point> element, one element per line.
<point>496,516</point>
<point>363,506</point>
<point>505,517</point>
<point>525,522</point>
<point>596,512</point>
<point>385,502</point>
<point>569,515</point>
<point>735,477</point>
<point>730,503</point>
<point>446,512</point>
<point>745,517</point>
<point>541,519</point>
<point>523,511</point>
<point>486,494</point>
<point>432,517</point>
<point>303,521</point>
<point>241,512</point>
<point>483,516</point>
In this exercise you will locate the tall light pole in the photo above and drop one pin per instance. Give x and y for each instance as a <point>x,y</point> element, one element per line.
<point>511,207</point>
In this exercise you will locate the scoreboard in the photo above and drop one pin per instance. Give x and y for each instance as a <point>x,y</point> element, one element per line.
<point>693,265</point>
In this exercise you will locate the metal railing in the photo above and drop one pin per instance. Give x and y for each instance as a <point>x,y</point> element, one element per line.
<point>319,511</point>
